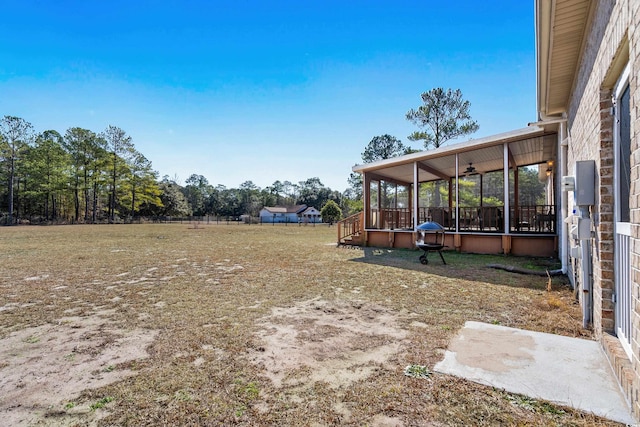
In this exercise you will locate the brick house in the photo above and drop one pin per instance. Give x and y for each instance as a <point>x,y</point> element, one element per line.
<point>588,64</point>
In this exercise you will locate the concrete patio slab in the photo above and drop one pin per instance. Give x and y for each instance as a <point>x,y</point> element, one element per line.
<point>569,371</point>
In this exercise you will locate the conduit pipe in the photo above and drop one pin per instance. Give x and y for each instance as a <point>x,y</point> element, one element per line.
<point>587,279</point>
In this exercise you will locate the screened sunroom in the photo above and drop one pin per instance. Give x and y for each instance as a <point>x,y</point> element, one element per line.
<point>488,194</point>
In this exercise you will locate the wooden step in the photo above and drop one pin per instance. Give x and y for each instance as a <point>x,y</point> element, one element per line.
<point>355,240</point>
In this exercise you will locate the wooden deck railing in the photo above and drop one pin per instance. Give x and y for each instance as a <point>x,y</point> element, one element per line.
<point>350,229</point>
<point>399,218</point>
<point>488,219</point>
<point>533,218</point>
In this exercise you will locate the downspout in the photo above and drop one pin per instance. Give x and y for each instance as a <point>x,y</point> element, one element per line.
<point>563,143</point>
<point>564,200</point>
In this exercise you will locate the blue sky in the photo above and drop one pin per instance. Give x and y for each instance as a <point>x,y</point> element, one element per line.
<point>262,90</point>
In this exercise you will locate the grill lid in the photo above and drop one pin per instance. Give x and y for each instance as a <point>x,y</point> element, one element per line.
<point>430,226</point>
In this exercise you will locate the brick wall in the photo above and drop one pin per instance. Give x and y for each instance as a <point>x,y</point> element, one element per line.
<point>603,319</point>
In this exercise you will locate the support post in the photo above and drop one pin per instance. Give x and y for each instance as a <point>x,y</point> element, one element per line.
<point>379,221</point>
<point>366,195</point>
<point>457,211</point>
<point>507,208</point>
<point>416,213</point>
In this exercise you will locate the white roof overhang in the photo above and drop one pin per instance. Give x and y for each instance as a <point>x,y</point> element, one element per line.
<point>527,146</point>
<point>561,29</point>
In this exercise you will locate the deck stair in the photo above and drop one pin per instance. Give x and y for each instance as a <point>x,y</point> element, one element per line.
<point>351,230</point>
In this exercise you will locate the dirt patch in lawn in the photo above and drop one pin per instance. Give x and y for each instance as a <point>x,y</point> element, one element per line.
<point>337,338</point>
<point>48,366</point>
<point>337,343</point>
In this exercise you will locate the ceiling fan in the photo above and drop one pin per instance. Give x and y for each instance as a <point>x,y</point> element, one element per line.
<point>470,170</point>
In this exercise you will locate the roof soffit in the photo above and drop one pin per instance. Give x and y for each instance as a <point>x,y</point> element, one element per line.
<point>561,28</point>
<point>485,157</point>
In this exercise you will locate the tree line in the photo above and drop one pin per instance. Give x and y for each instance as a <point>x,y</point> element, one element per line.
<point>83,176</point>
<point>78,176</point>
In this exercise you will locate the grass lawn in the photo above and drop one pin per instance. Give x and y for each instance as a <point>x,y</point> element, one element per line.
<point>254,325</point>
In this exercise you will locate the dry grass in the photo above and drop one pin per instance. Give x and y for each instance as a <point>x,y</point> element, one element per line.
<point>208,291</point>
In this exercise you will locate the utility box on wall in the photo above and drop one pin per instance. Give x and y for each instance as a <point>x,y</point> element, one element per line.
<point>568,183</point>
<point>584,228</point>
<point>584,193</point>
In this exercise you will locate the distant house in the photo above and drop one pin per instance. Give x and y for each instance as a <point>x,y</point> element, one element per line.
<point>311,215</point>
<point>282,214</point>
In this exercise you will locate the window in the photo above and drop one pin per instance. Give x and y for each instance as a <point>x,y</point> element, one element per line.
<point>623,125</point>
